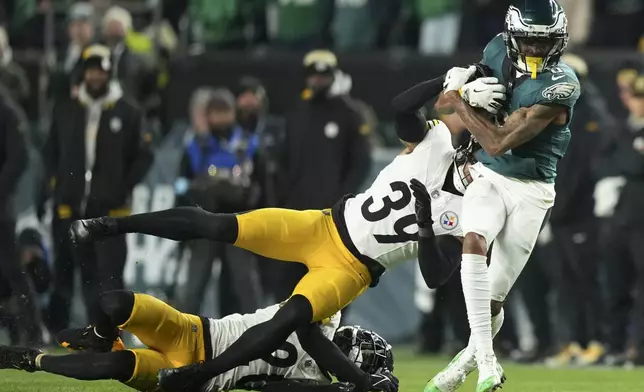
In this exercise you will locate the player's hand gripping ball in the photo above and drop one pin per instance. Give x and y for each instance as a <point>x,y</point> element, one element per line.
<point>457,77</point>
<point>484,93</point>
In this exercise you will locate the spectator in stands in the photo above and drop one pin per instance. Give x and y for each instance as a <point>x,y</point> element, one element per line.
<point>96,152</point>
<point>302,25</point>
<point>625,78</point>
<point>440,25</point>
<point>325,123</point>
<point>12,76</point>
<point>217,172</point>
<point>13,162</point>
<point>133,57</point>
<point>253,117</point>
<point>361,25</point>
<point>625,252</point>
<point>575,230</point>
<point>227,24</point>
<point>580,20</point>
<point>80,32</point>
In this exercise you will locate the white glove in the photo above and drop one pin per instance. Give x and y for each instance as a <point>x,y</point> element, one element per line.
<point>457,77</point>
<point>607,192</point>
<point>484,93</point>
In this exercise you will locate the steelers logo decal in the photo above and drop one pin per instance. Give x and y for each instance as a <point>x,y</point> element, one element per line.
<point>449,220</point>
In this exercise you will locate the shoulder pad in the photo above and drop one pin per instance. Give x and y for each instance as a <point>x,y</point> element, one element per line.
<point>559,86</point>
<point>493,48</point>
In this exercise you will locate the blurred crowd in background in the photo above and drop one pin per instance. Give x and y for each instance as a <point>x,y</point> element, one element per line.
<point>96,113</point>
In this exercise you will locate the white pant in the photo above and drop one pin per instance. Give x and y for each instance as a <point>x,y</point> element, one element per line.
<point>509,212</point>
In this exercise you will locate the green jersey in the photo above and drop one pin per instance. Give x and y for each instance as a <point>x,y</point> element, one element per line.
<point>536,159</point>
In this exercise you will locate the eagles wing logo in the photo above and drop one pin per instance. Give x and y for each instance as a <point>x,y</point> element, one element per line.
<point>559,91</point>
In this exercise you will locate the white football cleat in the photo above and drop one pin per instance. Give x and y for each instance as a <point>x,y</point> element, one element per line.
<point>453,376</point>
<point>491,375</point>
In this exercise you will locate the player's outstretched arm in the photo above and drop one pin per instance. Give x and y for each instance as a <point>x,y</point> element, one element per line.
<point>411,125</point>
<point>332,359</point>
<point>522,125</point>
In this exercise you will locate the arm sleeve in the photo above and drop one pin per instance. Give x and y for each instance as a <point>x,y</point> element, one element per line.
<point>435,264</point>
<point>411,125</point>
<point>16,152</point>
<point>140,157</point>
<point>331,358</point>
<point>359,151</point>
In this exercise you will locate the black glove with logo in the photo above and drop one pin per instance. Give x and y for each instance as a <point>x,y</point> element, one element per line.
<point>384,381</point>
<point>423,208</point>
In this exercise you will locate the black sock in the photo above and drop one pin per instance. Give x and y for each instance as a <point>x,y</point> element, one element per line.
<point>118,365</point>
<point>116,308</point>
<point>182,224</point>
<point>262,339</point>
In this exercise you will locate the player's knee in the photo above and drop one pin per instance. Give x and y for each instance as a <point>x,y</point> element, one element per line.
<point>296,311</point>
<point>118,305</point>
<point>496,307</point>
<point>475,244</point>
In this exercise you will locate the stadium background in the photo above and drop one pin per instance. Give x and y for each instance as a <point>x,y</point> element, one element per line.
<point>394,307</point>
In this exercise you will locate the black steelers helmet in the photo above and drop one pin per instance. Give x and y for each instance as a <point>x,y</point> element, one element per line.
<point>365,348</point>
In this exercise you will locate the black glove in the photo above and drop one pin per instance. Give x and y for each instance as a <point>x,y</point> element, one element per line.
<point>423,207</point>
<point>384,381</point>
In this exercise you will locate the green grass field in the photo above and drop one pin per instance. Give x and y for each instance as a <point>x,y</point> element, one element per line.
<point>412,371</point>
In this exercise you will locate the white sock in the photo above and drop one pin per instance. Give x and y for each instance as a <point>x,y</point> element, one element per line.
<point>476,289</point>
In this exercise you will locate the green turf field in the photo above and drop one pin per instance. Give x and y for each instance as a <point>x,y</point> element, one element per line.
<point>412,371</point>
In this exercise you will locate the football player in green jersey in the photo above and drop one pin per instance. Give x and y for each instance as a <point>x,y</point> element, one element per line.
<point>513,187</point>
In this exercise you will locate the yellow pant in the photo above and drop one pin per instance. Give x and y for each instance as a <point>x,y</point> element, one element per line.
<point>174,339</point>
<point>335,276</point>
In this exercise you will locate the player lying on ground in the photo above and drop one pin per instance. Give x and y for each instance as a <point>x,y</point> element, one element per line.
<point>176,339</point>
<point>513,189</point>
<point>346,249</point>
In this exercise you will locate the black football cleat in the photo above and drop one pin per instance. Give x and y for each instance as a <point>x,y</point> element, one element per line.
<point>20,358</point>
<point>89,230</point>
<point>86,339</point>
<point>183,379</point>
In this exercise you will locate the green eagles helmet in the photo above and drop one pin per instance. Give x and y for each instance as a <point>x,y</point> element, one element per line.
<point>536,34</point>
